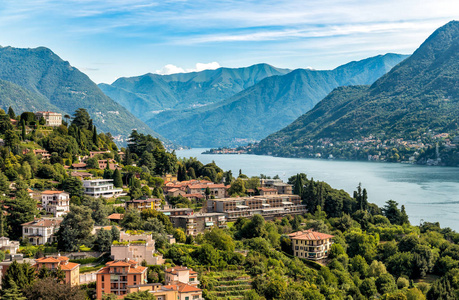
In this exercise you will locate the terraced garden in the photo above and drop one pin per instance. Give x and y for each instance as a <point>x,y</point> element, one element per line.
<point>226,284</point>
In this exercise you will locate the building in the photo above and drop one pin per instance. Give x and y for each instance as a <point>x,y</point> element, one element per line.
<point>117,275</point>
<point>100,188</point>
<point>71,270</point>
<point>138,247</point>
<point>181,274</point>
<point>311,244</point>
<point>175,192</point>
<point>44,154</point>
<point>268,206</point>
<point>51,118</point>
<point>216,190</point>
<point>81,175</point>
<point>142,204</point>
<point>115,217</point>
<point>278,184</point>
<point>7,246</point>
<point>177,291</point>
<point>177,212</point>
<point>94,153</point>
<point>198,223</point>
<point>264,191</point>
<point>56,203</point>
<point>112,165</point>
<point>41,231</point>
<point>79,166</point>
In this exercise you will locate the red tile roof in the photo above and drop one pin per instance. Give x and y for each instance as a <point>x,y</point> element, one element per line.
<point>43,222</point>
<point>52,192</point>
<point>182,287</point>
<point>309,235</point>
<point>116,217</point>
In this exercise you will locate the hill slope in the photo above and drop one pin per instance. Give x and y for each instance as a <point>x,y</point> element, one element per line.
<point>148,94</point>
<point>417,99</point>
<point>265,107</point>
<point>56,84</point>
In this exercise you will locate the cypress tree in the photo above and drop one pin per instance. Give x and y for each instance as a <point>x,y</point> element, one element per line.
<point>23,130</point>
<point>117,180</point>
<point>95,140</point>
<point>13,292</point>
<point>11,113</point>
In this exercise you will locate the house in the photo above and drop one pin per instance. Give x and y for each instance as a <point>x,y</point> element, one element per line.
<point>169,177</point>
<point>112,165</point>
<point>100,188</point>
<point>175,192</point>
<point>270,206</point>
<point>181,274</point>
<point>216,190</point>
<point>311,244</point>
<point>56,203</point>
<point>143,204</point>
<point>117,275</point>
<point>115,218</point>
<point>94,153</point>
<point>137,247</point>
<point>267,191</point>
<point>194,197</point>
<point>198,223</point>
<point>51,118</point>
<point>177,211</point>
<point>44,154</point>
<point>278,184</point>
<point>71,270</point>
<point>81,175</point>
<point>7,246</point>
<point>79,166</point>
<point>41,231</point>
<point>176,291</point>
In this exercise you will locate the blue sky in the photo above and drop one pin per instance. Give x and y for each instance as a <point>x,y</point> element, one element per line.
<point>112,39</point>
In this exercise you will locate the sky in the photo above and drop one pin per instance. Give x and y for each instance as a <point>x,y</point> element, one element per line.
<point>123,38</point>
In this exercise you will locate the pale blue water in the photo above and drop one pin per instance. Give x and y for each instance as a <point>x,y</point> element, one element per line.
<point>428,193</point>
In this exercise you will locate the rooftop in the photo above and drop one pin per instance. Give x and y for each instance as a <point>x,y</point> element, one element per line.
<point>309,235</point>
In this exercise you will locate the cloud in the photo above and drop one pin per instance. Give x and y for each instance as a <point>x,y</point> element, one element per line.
<point>173,69</point>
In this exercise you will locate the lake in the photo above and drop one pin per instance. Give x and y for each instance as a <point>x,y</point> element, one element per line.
<point>429,193</point>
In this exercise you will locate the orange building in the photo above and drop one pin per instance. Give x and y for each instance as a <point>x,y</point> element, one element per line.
<point>71,270</point>
<point>117,276</point>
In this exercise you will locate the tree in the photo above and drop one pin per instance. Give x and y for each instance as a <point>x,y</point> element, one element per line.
<point>73,186</point>
<point>219,239</point>
<point>12,292</point>
<point>75,229</point>
<point>21,210</point>
<point>22,275</point>
<point>11,139</point>
<point>237,188</point>
<point>99,210</point>
<point>117,179</point>
<point>81,119</point>
<point>11,113</point>
<point>4,184</point>
<point>103,240</point>
<point>368,287</point>
<point>42,121</point>
<point>49,289</point>
<point>115,233</point>
<point>23,130</point>
<point>95,139</point>
<point>179,235</point>
<point>148,160</point>
<point>391,211</point>
<point>132,220</point>
<point>92,163</point>
<point>145,295</point>
<point>298,186</point>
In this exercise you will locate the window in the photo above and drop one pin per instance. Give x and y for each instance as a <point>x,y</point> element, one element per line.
<point>187,298</point>
<point>135,278</point>
<point>103,278</point>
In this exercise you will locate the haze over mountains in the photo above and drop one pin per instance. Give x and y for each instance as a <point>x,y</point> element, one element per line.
<point>417,97</point>
<point>234,106</point>
<point>38,79</point>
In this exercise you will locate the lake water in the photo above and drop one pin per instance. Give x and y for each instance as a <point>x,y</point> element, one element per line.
<point>428,193</point>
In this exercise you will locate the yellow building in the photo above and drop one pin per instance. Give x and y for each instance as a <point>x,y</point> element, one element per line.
<point>311,244</point>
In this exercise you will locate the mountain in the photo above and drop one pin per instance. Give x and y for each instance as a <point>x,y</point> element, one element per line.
<point>266,106</point>
<point>49,83</point>
<point>149,94</point>
<point>416,102</point>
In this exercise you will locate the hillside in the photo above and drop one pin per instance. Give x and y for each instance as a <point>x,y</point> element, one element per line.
<point>417,101</point>
<point>56,85</point>
<point>265,107</point>
<point>149,94</point>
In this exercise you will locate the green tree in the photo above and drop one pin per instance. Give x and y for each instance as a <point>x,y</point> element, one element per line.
<point>391,211</point>
<point>22,275</point>
<point>92,163</point>
<point>23,130</point>
<point>145,295</point>
<point>11,113</point>
<point>237,188</point>
<point>81,119</point>
<point>103,240</point>
<point>75,229</point>
<point>368,287</point>
<point>11,139</point>
<point>50,289</point>
<point>219,239</point>
<point>117,179</point>
<point>73,186</point>
<point>179,235</point>
<point>115,233</point>
<point>21,209</point>
<point>95,139</point>
<point>12,292</point>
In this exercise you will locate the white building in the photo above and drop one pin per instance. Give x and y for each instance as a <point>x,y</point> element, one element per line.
<point>56,203</point>
<point>137,247</point>
<point>101,188</point>
<point>51,118</point>
<point>10,247</point>
<point>41,231</point>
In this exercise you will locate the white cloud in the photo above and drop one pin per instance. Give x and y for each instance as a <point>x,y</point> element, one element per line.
<point>173,69</point>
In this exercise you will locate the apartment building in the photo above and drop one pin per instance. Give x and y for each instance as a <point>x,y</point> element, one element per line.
<point>171,212</point>
<point>177,291</point>
<point>71,270</point>
<point>117,275</point>
<point>41,231</point>
<point>278,184</point>
<point>198,223</point>
<point>138,247</point>
<point>143,204</point>
<point>216,190</point>
<point>56,203</point>
<point>269,206</point>
<point>311,244</point>
<point>100,188</point>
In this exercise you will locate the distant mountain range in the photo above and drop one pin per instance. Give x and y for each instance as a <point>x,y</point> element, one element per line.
<point>37,79</point>
<point>236,106</point>
<point>149,94</point>
<point>418,98</point>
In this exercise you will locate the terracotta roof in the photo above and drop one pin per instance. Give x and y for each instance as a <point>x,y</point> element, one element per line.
<point>309,235</point>
<point>118,264</point>
<point>52,192</point>
<point>43,222</point>
<point>69,266</point>
<point>182,287</point>
<point>79,165</point>
<point>203,186</point>
<point>47,260</point>
<point>116,217</point>
<point>174,190</point>
<point>174,270</point>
